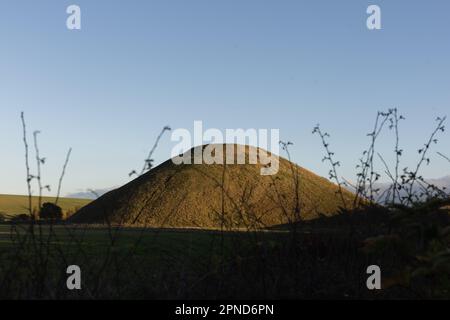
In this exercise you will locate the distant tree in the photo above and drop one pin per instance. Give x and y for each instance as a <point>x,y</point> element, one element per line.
<point>50,211</point>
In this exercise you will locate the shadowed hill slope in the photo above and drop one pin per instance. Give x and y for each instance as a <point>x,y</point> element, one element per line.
<point>215,196</point>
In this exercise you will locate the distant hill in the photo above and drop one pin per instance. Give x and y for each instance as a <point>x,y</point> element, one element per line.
<point>15,204</point>
<point>442,184</point>
<point>89,194</point>
<point>194,196</point>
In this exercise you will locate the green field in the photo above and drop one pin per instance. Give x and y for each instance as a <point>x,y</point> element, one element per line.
<point>323,258</point>
<point>130,262</point>
<point>14,204</point>
<point>133,263</point>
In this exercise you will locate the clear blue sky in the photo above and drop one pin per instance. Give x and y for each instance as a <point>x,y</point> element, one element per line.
<point>108,89</point>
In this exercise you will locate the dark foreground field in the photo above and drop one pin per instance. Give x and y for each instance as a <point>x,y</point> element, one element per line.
<point>327,258</point>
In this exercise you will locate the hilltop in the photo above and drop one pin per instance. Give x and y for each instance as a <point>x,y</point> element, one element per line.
<point>214,196</point>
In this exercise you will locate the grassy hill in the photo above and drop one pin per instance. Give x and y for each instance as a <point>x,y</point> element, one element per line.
<point>215,196</point>
<point>15,204</point>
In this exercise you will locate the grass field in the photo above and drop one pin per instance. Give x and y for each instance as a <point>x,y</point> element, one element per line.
<point>179,264</point>
<point>132,262</point>
<point>323,258</point>
<point>15,204</point>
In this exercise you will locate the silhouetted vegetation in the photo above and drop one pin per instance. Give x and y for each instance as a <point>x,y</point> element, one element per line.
<point>404,229</point>
<point>21,218</point>
<point>50,211</point>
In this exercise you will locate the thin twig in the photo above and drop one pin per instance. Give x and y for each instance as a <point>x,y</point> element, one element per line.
<point>413,175</point>
<point>444,156</point>
<point>149,161</point>
<point>62,175</point>
<point>29,176</point>
<point>38,165</point>
<point>333,175</point>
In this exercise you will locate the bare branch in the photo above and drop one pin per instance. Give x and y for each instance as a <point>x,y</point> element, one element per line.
<point>62,175</point>
<point>38,164</point>
<point>27,165</point>
<point>444,156</point>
